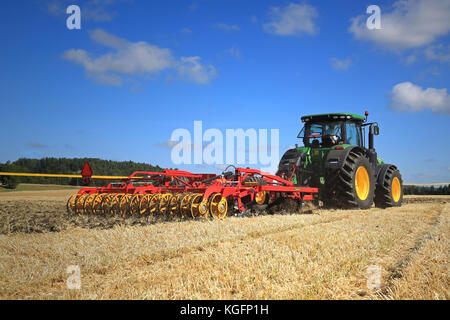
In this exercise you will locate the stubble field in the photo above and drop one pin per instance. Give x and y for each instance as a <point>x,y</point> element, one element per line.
<point>327,254</point>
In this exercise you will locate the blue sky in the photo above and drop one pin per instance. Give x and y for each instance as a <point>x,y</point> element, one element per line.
<point>137,70</point>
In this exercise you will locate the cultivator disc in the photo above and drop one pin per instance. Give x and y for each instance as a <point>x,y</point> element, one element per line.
<point>197,196</point>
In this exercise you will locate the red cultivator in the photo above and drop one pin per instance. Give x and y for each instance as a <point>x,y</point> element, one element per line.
<point>185,194</point>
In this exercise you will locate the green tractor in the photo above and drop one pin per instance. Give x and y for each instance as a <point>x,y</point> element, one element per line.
<point>335,159</point>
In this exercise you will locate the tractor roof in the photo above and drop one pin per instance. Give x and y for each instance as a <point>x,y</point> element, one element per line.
<point>333,116</point>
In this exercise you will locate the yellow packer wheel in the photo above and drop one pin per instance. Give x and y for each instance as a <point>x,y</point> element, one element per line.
<point>153,203</point>
<point>124,204</point>
<point>97,203</point>
<point>87,205</point>
<point>164,203</point>
<point>79,204</point>
<point>218,206</point>
<point>195,204</point>
<point>185,202</point>
<point>115,204</point>
<point>71,202</point>
<point>144,203</point>
<point>174,204</point>
<point>134,203</point>
<point>106,203</point>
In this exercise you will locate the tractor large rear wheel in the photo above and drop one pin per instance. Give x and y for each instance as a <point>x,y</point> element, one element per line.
<point>389,190</point>
<point>355,183</point>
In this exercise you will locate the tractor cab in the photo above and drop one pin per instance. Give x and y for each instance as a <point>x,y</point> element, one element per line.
<point>330,130</point>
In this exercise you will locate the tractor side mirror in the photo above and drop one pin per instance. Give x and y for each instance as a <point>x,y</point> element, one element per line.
<point>376,130</point>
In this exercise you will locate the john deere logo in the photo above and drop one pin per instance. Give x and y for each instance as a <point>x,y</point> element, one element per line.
<point>316,152</point>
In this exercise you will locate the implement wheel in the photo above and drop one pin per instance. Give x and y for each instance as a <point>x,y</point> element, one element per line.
<point>185,203</point>
<point>115,204</point>
<point>144,203</point>
<point>218,206</point>
<point>134,203</point>
<point>70,206</point>
<point>124,205</point>
<point>164,203</point>
<point>87,205</point>
<point>153,203</point>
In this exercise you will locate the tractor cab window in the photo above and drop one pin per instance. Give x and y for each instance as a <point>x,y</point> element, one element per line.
<point>317,135</point>
<point>353,134</point>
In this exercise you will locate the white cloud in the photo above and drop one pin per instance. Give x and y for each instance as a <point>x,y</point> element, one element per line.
<point>293,19</point>
<point>338,64</point>
<point>438,52</point>
<point>409,97</point>
<point>228,27</point>
<point>134,58</point>
<point>191,69</point>
<point>410,24</point>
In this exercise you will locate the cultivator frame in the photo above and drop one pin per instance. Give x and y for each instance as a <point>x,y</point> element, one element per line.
<point>186,194</point>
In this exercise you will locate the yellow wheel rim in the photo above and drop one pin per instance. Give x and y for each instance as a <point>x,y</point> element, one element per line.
<point>124,204</point>
<point>203,208</point>
<point>115,204</point>
<point>396,189</point>
<point>362,183</point>
<point>134,204</point>
<point>87,206</point>
<point>184,205</point>
<point>153,203</point>
<point>195,203</point>
<point>260,197</point>
<point>145,201</point>
<point>79,204</point>
<point>218,206</point>
<point>71,203</point>
<point>164,202</point>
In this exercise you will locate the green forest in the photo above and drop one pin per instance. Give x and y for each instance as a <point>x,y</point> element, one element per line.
<point>68,166</point>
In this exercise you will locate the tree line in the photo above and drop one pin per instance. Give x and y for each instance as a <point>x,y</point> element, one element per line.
<point>68,166</point>
<point>420,190</point>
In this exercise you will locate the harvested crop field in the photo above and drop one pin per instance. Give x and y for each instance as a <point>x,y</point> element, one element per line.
<point>329,254</point>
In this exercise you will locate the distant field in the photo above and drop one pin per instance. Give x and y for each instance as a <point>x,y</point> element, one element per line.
<point>324,255</point>
<point>37,187</point>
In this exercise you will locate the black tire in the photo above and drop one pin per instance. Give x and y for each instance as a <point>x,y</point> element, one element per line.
<point>343,189</point>
<point>384,195</point>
